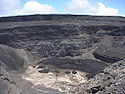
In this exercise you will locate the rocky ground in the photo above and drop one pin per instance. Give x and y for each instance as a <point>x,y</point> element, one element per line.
<point>54,54</point>
<point>111,81</point>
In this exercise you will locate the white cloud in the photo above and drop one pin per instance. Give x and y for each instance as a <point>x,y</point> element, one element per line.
<point>106,10</point>
<point>7,5</point>
<point>33,7</point>
<point>87,7</point>
<point>8,8</point>
<point>121,15</point>
<point>79,7</point>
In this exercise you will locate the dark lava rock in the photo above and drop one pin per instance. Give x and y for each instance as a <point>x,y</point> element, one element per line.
<point>94,90</point>
<point>39,67</point>
<point>74,72</point>
<point>67,72</point>
<point>44,71</point>
<point>92,67</point>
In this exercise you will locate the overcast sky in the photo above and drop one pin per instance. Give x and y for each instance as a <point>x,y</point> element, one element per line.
<point>82,7</point>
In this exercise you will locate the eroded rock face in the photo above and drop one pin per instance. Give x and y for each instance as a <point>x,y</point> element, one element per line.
<point>109,50</point>
<point>14,59</point>
<point>11,60</point>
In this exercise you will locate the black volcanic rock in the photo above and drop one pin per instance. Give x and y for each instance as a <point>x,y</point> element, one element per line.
<point>44,71</point>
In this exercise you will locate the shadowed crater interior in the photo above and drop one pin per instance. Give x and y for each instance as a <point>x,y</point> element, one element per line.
<point>92,67</point>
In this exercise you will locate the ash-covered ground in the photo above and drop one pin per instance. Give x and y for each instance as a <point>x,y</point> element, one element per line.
<point>62,54</point>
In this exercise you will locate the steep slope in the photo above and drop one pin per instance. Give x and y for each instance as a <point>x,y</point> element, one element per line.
<point>12,60</point>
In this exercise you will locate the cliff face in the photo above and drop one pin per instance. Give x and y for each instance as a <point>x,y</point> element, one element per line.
<point>58,35</point>
<point>84,44</point>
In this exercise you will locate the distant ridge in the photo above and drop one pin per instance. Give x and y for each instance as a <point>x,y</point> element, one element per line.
<point>38,17</point>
